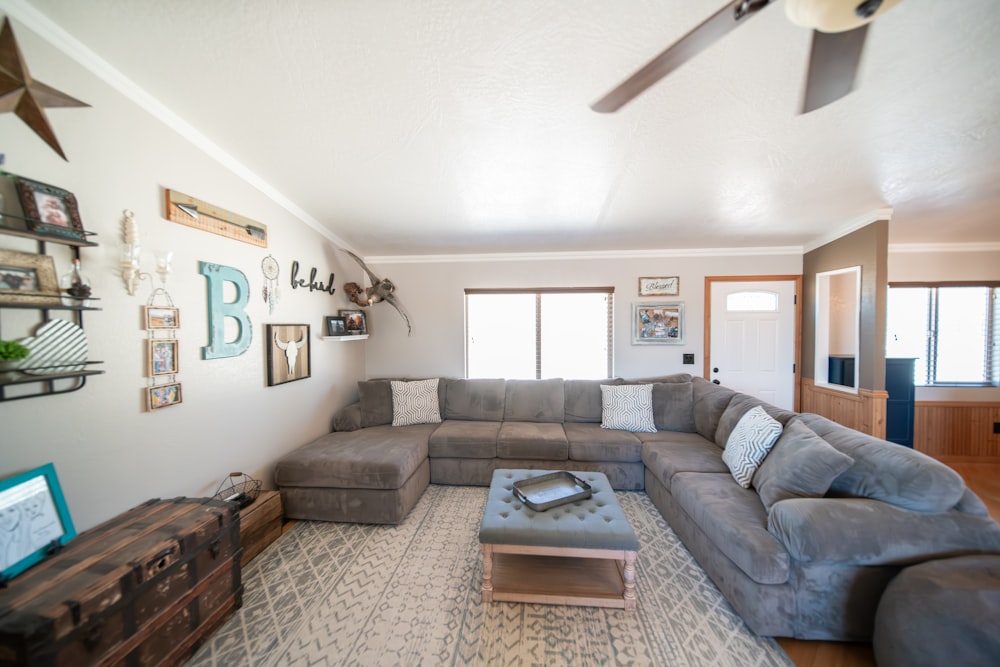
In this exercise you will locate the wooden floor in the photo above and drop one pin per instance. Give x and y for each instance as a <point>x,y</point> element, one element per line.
<point>984,479</point>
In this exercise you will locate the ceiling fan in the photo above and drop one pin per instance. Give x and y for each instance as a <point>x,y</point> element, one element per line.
<point>839,28</point>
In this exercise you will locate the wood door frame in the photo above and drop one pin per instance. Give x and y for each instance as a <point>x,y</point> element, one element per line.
<point>797,279</point>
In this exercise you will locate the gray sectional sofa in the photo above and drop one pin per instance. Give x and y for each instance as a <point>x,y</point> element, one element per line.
<point>805,552</point>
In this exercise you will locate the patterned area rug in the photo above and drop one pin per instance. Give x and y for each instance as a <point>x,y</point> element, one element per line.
<point>348,594</point>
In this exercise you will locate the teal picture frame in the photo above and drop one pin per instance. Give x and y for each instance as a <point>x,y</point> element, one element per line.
<point>34,519</point>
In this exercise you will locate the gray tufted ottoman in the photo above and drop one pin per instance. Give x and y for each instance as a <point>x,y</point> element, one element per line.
<point>582,553</point>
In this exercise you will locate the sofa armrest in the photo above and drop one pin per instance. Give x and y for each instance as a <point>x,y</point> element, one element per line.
<point>348,418</point>
<point>863,531</point>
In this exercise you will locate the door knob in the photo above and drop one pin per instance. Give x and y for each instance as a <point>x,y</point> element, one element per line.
<point>715,370</point>
<point>716,382</point>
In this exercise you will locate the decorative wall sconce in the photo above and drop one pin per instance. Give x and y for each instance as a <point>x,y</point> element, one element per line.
<point>130,255</point>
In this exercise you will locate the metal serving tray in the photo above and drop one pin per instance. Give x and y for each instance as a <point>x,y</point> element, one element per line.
<point>551,490</point>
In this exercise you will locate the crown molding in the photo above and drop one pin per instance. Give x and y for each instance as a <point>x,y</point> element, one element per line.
<point>903,248</point>
<point>47,29</point>
<point>584,255</point>
<point>850,226</point>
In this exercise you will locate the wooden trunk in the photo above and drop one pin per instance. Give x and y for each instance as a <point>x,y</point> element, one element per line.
<point>260,524</point>
<point>144,588</point>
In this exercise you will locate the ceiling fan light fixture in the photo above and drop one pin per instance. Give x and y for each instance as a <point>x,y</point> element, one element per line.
<point>836,15</point>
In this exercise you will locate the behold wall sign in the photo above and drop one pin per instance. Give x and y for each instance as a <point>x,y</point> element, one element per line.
<point>313,285</point>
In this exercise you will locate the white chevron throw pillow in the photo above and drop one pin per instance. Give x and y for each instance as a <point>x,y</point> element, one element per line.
<point>415,402</point>
<point>748,444</point>
<point>627,407</point>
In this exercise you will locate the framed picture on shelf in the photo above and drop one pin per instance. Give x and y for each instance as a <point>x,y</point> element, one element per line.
<point>161,317</point>
<point>34,519</point>
<point>354,321</point>
<point>657,323</point>
<point>335,326</point>
<point>664,286</point>
<point>288,357</point>
<point>163,356</point>
<point>163,395</point>
<point>27,278</point>
<point>49,210</point>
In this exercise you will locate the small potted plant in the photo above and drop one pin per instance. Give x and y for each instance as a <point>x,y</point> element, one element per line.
<point>11,352</point>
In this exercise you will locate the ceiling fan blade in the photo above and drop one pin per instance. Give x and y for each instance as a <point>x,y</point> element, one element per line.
<point>691,44</point>
<point>833,64</point>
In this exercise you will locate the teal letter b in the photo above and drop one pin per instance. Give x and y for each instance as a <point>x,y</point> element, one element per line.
<point>219,310</point>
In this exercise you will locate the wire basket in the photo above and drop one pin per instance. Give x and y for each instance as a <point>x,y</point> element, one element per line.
<point>239,487</point>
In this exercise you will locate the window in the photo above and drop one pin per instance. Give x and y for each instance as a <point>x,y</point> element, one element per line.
<point>953,330</point>
<point>539,333</point>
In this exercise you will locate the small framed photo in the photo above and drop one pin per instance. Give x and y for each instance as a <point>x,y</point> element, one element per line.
<point>354,321</point>
<point>287,353</point>
<point>163,395</point>
<point>162,317</point>
<point>163,356</point>
<point>335,326</point>
<point>27,278</point>
<point>49,210</point>
<point>663,286</point>
<point>657,323</point>
<point>34,519</point>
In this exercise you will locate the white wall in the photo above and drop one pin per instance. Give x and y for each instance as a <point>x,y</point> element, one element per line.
<point>433,293</point>
<point>109,452</point>
<point>939,265</point>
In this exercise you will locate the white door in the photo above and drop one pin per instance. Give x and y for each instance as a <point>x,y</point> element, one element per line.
<point>752,339</point>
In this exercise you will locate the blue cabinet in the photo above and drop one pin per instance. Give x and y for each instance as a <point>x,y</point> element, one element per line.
<point>899,406</point>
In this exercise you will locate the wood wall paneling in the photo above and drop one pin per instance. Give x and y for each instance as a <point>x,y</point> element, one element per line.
<point>864,411</point>
<point>953,429</point>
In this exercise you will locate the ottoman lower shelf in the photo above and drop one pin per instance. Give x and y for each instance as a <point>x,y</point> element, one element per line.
<point>581,577</point>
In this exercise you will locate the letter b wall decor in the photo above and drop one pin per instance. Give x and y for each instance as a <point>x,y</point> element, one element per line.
<point>219,309</point>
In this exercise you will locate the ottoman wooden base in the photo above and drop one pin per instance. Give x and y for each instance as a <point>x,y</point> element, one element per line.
<point>580,577</point>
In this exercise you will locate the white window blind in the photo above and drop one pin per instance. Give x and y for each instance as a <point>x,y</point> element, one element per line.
<point>952,330</point>
<point>539,333</point>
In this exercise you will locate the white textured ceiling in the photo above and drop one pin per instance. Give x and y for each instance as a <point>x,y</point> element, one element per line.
<point>460,126</point>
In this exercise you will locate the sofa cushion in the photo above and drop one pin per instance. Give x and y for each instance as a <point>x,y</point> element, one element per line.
<point>464,440</point>
<point>532,440</point>
<point>534,401</point>
<point>673,377</point>
<point>673,406</point>
<point>475,399</point>
<point>627,407</point>
<point>889,472</point>
<point>590,442</point>
<point>749,443</point>
<point>415,402</point>
<point>379,457</point>
<point>376,402</point>
<point>683,452</point>
<point>582,402</point>
<point>710,401</point>
<point>738,407</point>
<point>800,465</point>
<point>736,522</point>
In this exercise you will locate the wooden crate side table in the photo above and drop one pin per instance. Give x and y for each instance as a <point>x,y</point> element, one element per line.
<point>260,524</point>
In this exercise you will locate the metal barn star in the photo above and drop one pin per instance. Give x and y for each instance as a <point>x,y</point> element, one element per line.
<point>26,97</point>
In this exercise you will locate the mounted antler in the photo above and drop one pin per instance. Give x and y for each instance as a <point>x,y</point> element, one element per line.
<point>382,289</point>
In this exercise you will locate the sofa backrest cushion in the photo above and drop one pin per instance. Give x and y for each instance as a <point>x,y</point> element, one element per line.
<point>474,399</point>
<point>710,401</point>
<point>675,377</point>
<point>738,406</point>
<point>889,472</point>
<point>376,402</point>
<point>534,401</point>
<point>582,402</point>
<point>800,465</point>
<point>673,406</point>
